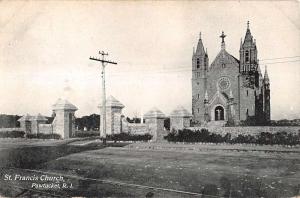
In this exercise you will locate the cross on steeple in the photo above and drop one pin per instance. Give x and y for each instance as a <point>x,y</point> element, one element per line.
<point>223,42</point>
<point>223,36</point>
<point>248,24</point>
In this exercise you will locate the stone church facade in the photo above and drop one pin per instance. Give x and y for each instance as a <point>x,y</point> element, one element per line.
<point>229,90</point>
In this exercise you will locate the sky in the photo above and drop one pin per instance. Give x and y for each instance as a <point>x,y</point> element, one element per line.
<point>45,48</point>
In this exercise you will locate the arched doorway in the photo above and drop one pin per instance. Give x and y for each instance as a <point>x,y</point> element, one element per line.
<point>219,113</point>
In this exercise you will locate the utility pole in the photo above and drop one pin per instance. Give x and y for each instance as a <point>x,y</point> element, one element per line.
<point>103,110</point>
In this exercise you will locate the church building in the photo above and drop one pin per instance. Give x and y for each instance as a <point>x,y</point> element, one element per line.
<point>230,90</point>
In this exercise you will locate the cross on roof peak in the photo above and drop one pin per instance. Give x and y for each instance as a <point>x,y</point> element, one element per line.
<point>223,36</point>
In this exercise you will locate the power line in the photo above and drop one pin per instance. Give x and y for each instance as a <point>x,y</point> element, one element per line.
<point>282,62</point>
<point>279,58</point>
<point>186,69</point>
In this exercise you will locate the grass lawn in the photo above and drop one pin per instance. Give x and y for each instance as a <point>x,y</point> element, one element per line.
<point>238,174</point>
<point>211,170</point>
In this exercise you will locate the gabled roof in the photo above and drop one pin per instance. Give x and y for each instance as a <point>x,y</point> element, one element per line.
<point>25,117</point>
<point>219,95</point>
<point>64,104</point>
<point>224,57</point>
<point>154,113</point>
<point>180,111</point>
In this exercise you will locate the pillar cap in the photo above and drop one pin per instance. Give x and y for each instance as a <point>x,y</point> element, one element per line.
<point>112,102</point>
<point>180,111</point>
<point>25,117</point>
<point>62,104</point>
<point>39,117</point>
<point>154,113</point>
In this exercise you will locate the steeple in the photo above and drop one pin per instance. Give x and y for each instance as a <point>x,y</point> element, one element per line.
<point>200,47</point>
<point>206,95</point>
<point>266,76</point>
<point>248,53</point>
<point>241,45</point>
<point>248,37</point>
<point>230,94</point>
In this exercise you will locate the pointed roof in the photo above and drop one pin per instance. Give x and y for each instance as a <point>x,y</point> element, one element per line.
<point>230,94</point>
<point>154,113</point>
<point>248,41</point>
<point>62,104</point>
<point>200,47</point>
<point>39,117</point>
<point>266,76</point>
<point>206,95</point>
<point>180,111</point>
<point>113,102</point>
<point>25,117</point>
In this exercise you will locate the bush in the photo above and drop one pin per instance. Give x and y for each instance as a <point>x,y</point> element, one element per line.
<point>203,135</point>
<point>43,136</point>
<point>82,134</point>
<point>12,134</point>
<point>129,137</point>
<point>264,138</point>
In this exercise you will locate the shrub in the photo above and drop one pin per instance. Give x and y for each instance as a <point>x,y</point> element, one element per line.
<point>12,134</point>
<point>43,136</point>
<point>129,137</point>
<point>264,138</point>
<point>82,134</point>
<point>187,135</point>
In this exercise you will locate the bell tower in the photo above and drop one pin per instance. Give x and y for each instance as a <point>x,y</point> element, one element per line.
<point>199,80</point>
<point>248,77</point>
<point>248,54</point>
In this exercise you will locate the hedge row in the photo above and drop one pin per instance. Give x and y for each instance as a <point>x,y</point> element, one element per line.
<point>43,136</point>
<point>12,134</point>
<point>264,138</point>
<point>129,137</point>
<point>82,134</point>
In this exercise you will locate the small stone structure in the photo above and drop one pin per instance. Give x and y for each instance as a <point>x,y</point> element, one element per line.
<point>180,118</point>
<point>155,121</point>
<point>64,121</point>
<point>30,124</point>
<point>113,116</point>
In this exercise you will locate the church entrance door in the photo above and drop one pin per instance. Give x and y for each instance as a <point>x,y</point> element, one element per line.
<point>219,113</point>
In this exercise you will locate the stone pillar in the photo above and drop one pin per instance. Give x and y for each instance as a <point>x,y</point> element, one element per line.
<point>180,118</point>
<point>155,121</point>
<point>113,116</point>
<point>64,121</point>
<point>35,121</point>
<point>25,123</point>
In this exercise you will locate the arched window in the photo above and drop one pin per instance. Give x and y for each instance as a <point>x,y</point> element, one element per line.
<point>247,56</point>
<point>219,113</point>
<point>198,63</point>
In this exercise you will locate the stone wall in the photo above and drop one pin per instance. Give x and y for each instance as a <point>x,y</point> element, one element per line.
<point>254,130</point>
<point>134,128</point>
<point>46,128</point>
<point>10,129</point>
